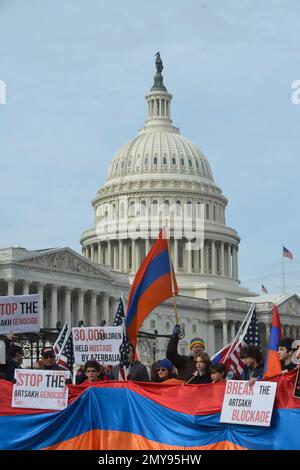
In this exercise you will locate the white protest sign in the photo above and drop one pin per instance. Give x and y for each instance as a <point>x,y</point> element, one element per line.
<point>20,314</point>
<point>246,404</point>
<point>100,344</point>
<point>40,389</point>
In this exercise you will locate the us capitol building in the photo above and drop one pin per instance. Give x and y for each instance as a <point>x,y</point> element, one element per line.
<point>158,178</point>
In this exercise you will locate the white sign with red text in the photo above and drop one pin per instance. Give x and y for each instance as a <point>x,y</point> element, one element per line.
<point>20,314</point>
<point>248,404</point>
<point>40,389</point>
<point>98,343</point>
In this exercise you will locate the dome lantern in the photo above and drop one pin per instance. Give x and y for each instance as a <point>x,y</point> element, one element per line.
<point>158,99</point>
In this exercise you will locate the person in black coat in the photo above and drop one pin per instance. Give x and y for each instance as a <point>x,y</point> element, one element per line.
<point>14,358</point>
<point>202,372</point>
<point>254,364</point>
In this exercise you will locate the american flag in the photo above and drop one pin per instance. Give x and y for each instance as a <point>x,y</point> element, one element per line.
<point>125,347</point>
<point>61,338</point>
<point>264,289</point>
<point>248,334</point>
<point>287,253</point>
<point>65,357</point>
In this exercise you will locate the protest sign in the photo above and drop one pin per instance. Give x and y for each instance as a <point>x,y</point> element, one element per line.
<point>100,344</point>
<point>40,389</point>
<point>20,314</point>
<point>297,386</point>
<point>246,404</point>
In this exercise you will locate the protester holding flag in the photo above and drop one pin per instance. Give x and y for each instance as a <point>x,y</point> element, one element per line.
<point>202,372</point>
<point>184,364</point>
<point>253,360</point>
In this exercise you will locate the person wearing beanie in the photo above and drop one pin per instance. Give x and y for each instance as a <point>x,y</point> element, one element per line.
<point>184,364</point>
<point>164,372</point>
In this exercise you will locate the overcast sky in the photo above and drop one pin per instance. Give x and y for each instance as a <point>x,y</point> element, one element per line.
<point>76,72</point>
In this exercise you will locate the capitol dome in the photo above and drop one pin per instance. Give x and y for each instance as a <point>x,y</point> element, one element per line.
<point>160,150</point>
<point>159,168</point>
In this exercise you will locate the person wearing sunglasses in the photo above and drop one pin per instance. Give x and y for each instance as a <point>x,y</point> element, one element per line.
<point>164,372</point>
<point>49,360</point>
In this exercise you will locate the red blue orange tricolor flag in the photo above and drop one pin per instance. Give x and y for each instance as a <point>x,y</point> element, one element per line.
<point>273,364</point>
<point>154,282</point>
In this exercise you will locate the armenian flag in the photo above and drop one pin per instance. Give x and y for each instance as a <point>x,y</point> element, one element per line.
<point>154,282</point>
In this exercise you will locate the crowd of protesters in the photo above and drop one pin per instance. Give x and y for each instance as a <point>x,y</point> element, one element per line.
<point>196,368</point>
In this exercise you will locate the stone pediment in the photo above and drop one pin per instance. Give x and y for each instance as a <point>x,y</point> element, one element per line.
<point>292,306</point>
<point>64,261</point>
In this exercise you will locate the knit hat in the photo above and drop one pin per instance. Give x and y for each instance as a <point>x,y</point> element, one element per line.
<point>166,364</point>
<point>197,341</point>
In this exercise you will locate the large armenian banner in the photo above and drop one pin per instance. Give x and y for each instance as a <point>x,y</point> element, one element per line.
<point>147,416</point>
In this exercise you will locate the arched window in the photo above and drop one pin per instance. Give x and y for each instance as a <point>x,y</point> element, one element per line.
<point>167,326</point>
<point>182,161</point>
<point>122,210</point>
<point>165,161</point>
<point>166,207</point>
<point>131,209</point>
<point>154,208</point>
<point>214,212</point>
<point>207,211</point>
<point>143,209</point>
<point>178,208</point>
<point>174,161</point>
<point>180,254</point>
<point>189,209</point>
<point>155,160</point>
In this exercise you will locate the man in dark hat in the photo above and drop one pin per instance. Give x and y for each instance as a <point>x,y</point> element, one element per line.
<point>48,360</point>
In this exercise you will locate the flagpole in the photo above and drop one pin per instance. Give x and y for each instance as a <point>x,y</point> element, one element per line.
<point>283,289</point>
<point>172,281</point>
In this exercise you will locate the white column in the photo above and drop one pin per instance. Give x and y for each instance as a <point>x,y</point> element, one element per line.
<point>93,320</point>
<point>53,316</point>
<point>133,251</point>
<point>232,330</point>
<point>225,335</point>
<point>213,257</point>
<point>109,252</point>
<point>236,262</point>
<point>232,262</point>
<point>40,291</point>
<point>105,308</point>
<point>26,285</point>
<point>125,260</point>
<point>222,259</point>
<point>10,287</point>
<point>115,267</point>
<point>175,255</point>
<point>203,259</point>
<point>189,257</point>
<point>92,253</point>
<point>99,253</point>
<point>80,306</point>
<point>147,246</point>
<point>67,305</point>
<point>229,259</point>
<point>211,339</point>
<point>121,251</point>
